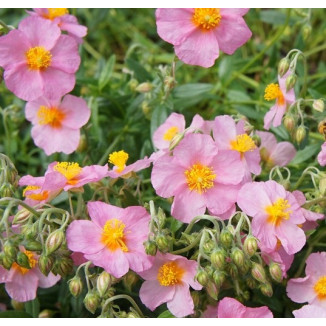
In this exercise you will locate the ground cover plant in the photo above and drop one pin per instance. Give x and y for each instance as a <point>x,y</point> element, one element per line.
<point>162,163</point>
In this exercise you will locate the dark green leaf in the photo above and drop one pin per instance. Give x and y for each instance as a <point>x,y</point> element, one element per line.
<point>166,314</point>
<point>14,314</point>
<point>191,90</point>
<point>141,74</point>
<point>306,153</point>
<point>33,308</point>
<point>106,73</point>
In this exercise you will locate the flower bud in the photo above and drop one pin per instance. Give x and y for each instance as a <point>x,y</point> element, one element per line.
<point>306,31</point>
<point>133,83</point>
<point>161,217</point>
<point>91,301</point>
<point>150,248</point>
<point>289,122</point>
<point>232,270</point>
<point>162,243</point>
<point>276,272</point>
<point>258,273</point>
<point>129,280</point>
<point>209,246</point>
<point>176,140</point>
<point>33,245</point>
<point>322,127</point>
<point>283,66</point>
<point>244,269</point>
<point>250,245</point>
<point>133,314</point>
<point>246,295</point>
<point>218,258</point>
<point>251,283</point>
<point>63,266</point>
<point>256,139</point>
<point>226,238</point>
<point>46,313</point>
<point>290,81</point>
<point>300,134</point>
<point>7,262</point>
<point>146,109</point>
<point>17,305</point>
<point>144,87</point>
<point>54,241</point>
<point>10,250</point>
<point>202,277</point>
<point>22,216</point>
<point>212,290</point>
<point>45,264</point>
<point>22,260</point>
<point>318,105</point>
<point>196,298</point>
<point>6,190</point>
<point>219,278</point>
<point>322,186</point>
<point>266,289</point>
<point>238,257</point>
<point>75,286</point>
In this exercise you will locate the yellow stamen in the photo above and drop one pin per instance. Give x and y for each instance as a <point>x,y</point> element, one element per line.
<point>50,116</point>
<point>38,58</point>
<point>113,235</point>
<point>32,263</point>
<point>200,178</point>
<point>206,18</point>
<point>170,133</point>
<point>170,274</point>
<point>55,12</point>
<point>119,159</point>
<point>243,143</point>
<point>69,170</point>
<point>272,92</point>
<point>320,287</point>
<point>43,195</point>
<point>278,211</point>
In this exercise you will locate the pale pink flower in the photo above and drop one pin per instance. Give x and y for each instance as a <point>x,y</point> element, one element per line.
<point>231,136</point>
<point>232,308</point>
<point>274,153</point>
<point>322,155</point>
<point>198,34</point>
<point>38,60</point>
<point>283,100</point>
<point>65,22</point>
<point>310,311</point>
<point>198,177</point>
<point>56,124</point>
<point>276,215</point>
<point>22,283</point>
<point>113,239</point>
<point>312,287</point>
<point>168,280</point>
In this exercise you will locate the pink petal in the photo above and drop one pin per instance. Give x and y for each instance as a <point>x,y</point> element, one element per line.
<point>134,216</point>
<point>316,264</point>
<point>32,108</point>
<point>139,261</point>
<point>269,117</point>
<point>264,231</point>
<point>310,311</point>
<point>190,268</point>
<point>280,110</point>
<point>224,131</point>
<point>253,161</point>
<point>283,153</point>
<point>301,289</point>
<point>46,281</point>
<point>234,11</point>
<point>70,24</point>
<point>181,304</point>
<point>268,141</point>
<point>230,308</point>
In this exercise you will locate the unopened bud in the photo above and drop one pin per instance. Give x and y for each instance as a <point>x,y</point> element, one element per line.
<point>22,260</point>
<point>45,264</point>
<point>322,127</point>
<point>276,272</point>
<point>6,190</point>
<point>251,283</point>
<point>10,250</point>
<point>169,82</point>
<point>244,269</point>
<point>202,277</point>
<point>232,270</point>
<point>46,313</point>
<point>91,301</point>
<point>238,257</point>
<point>250,245</point>
<point>161,217</point>
<point>300,134</point>
<point>54,241</point>
<point>256,139</point>
<point>212,290</point>
<point>103,282</point>
<point>306,31</point>
<point>150,248</point>
<point>283,66</point>
<point>290,81</point>
<point>226,238</point>
<point>266,289</point>
<point>144,88</point>
<point>75,286</point>
<point>318,105</point>
<point>176,140</point>
<point>63,266</point>
<point>162,243</point>
<point>209,246</point>
<point>218,257</point>
<point>219,278</point>
<point>33,245</point>
<point>7,262</point>
<point>246,295</point>
<point>289,122</point>
<point>146,109</point>
<point>133,314</point>
<point>258,273</point>
<point>22,216</point>
<point>322,186</point>
<point>196,298</point>
<point>129,280</point>
<point>133,83</point>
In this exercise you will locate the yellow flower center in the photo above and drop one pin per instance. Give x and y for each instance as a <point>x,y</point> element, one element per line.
<point>272,92</point>
<point>243,143</point>
<point>43,195</point>
<point>50,116</point>
<point>69,170</point>
<point>31,260</point>
<point>38,58</point>
<point>55,12</point>
<point>170,274</point>
<point>113,235</point>
<point>320,288</point>
<point>119,159</point>
<point>278,211</point>
<point>170,133</point>
<point>200,178</point>
<point>206,18</point>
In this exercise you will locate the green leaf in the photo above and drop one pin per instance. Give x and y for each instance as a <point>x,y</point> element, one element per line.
<point>106,73</point>
<point>166,314</point>
<point>191,90</point>
<point>159,115</point>
<point>306,154</point>
<point>33,308</point>
<point>14,314</point>
<point>141,74</point>
<point>274,17</point>
<point>175,225</point>
<point>235,95</point>
<point>281,132</point>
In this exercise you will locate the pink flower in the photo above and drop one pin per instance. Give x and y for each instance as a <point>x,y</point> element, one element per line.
<point>276,215</point>
<point>312,288</point>
<point>322,155</point>
<point>310,311</point>
<point>69,175</point>
<point>232,308</point>
<point>231,136</point>
<point>38,60</point>
<point>283,100</point>
<point>56,125</point>
<point>199,33</point>
<point>274,153</point>
<point>65,22</point>
<point>113,239</point>
<point>22,283</point>
<point>168,280</point>
<point>198,177</point>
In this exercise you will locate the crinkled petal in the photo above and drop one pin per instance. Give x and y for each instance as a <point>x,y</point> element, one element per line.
<point>182,303</point>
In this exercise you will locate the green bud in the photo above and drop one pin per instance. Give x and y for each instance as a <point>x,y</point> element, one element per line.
<point>238,257</point>
<point>161,217</point>
<point>318,105</point>
<point>256,139</point>
<point>290,81</point>
<point>219,278</point>
<point>218,257</point>
<point>176,140</point>
<point>146,109</point>
<point>306,31</point>
<point>22,216</point>
<point>246,295</point>
<point>75,286</point>
<point>226,238</point>
<point>251,283</point>
<point>283,66</point>
<point>266,289</point>
<point>244,269</point>
<point>276,272</point>
<point>7,262</point>
<point>289,122</point>
<point>133,314</point>
<point>300,134</point>
<point>202,277</point>
<point>150,248</point>
<point>45,264</point>
<point>33,245</point>
<point>250,245</point>
<point>17,305</point>
<point>133,83</point>
<point>212,290</point>
<point>10,250</point>
<point>129,280</point>
<point>92,301</point>
<point>54,241</point>
<point>103,282</point>
<point>63,266</point>
<point>258,273</point>
<point>46,313</point>
<point>209,246</point>
<point>322,186</point>
<point>144,87</point>
<point>162,243</point>
<point>233,270</point>
<point>6,190</point>
<point>196,298</point>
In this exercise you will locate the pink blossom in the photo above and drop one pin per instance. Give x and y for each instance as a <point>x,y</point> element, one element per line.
<point>198,34</point>
<point>22,283</point>
<point>65,22</point>
<point>198,177</point>
<point>310,311</point>
<point>276,215</point>
<point>274,153</point>
<point>283,100</point>
<point>113,239</point>
<point>168,280</point>
<point>38,60</point>
<point>312,287</point>
<point>322,155</point>
<point>56,125</point>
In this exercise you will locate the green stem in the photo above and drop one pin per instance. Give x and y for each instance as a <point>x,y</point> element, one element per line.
<point>71,206</point>
<point>313,202</point>
<point>186,249</point>
<point>109,150</point>
<point>315,50</point>
<point>91,50</point>
<point>20,202</point>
